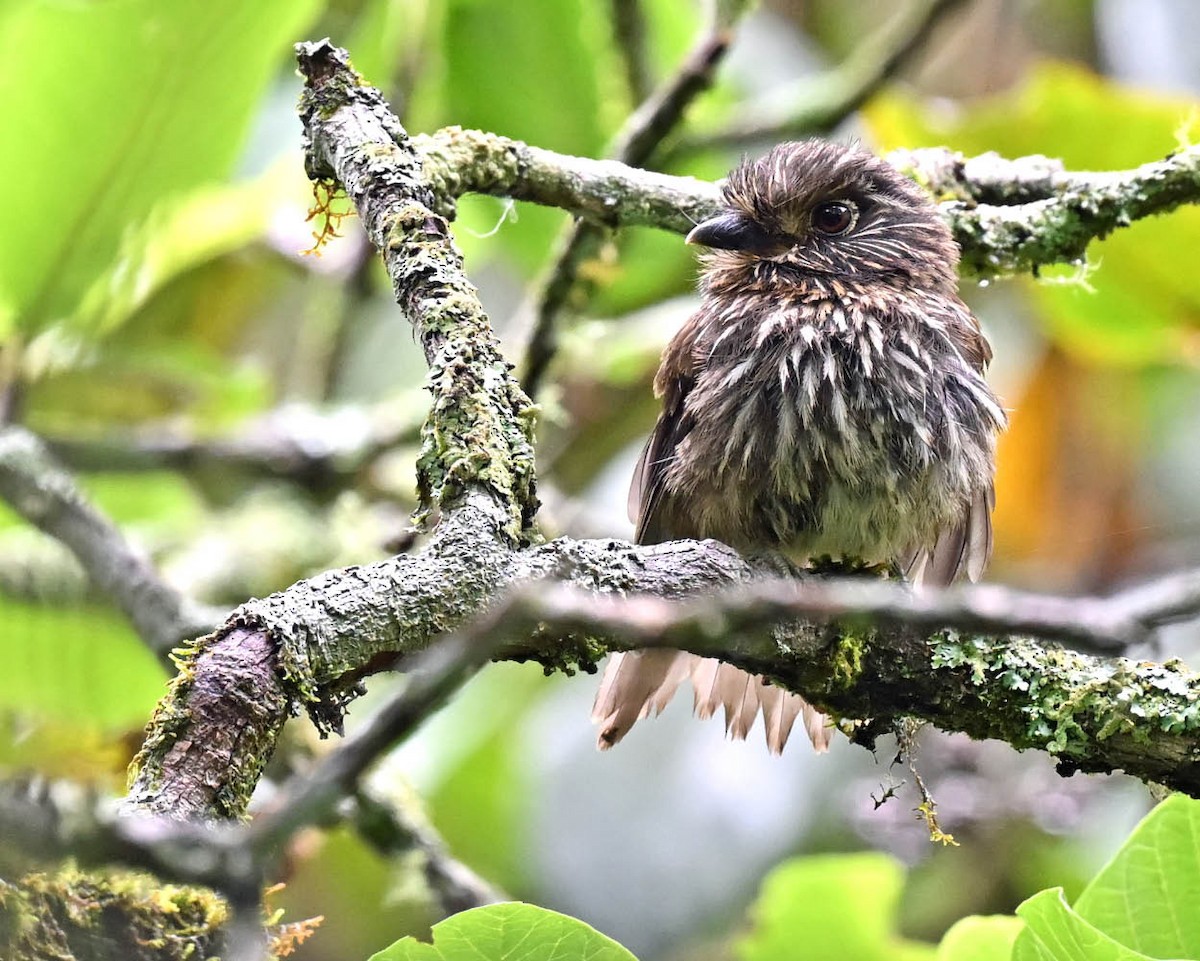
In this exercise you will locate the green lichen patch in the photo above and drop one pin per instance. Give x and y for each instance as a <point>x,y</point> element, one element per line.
<point>846,658</point>
<point>480,428</point>
<point>1067,702</point>
<point>458,161</point>
<point>171,716</point>
<point>114,916</point>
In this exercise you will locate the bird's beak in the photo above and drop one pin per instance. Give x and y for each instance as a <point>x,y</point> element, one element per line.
<point>730,230</point>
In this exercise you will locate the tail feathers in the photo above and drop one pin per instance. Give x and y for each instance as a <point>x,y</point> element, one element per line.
<point>638,682</point>
<point>634,684</point>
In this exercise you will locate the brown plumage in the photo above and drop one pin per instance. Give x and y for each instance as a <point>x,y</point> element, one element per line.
<point>826,399</point>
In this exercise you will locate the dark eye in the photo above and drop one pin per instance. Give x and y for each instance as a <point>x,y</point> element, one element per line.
<point>834,217</point>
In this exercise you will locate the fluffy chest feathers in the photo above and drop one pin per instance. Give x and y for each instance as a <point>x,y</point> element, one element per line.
<point>825,422</point>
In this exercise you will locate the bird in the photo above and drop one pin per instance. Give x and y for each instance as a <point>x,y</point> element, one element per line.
<point>827,399</point>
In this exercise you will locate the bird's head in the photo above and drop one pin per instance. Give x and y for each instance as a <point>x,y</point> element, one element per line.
<point>828,209</point>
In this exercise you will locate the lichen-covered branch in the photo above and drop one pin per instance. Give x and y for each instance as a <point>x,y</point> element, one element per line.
<point>307,647</point>
<point>342,625</point>
<point>997,237</point>
<point>110,912</point>
<point>456,161</point>
<point>47,496</point>
<point>72,915</point>
<point>1091,714</point>
<point>479,430</point>
<point>1004,240</point>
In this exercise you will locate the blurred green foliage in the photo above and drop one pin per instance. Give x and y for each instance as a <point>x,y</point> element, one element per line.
<point>168,92</point>
<point>835,907</point>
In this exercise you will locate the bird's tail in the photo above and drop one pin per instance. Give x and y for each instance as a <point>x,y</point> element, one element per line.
<point>639,682</point>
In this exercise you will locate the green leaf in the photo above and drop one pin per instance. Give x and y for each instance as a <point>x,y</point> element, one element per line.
<point>980,939</point>
<point>508,932</point>
<point>177,235</point>
<point>1054,932</point>
<point>112,109</point>
<point>1147,896</point>
<point>836,906</point>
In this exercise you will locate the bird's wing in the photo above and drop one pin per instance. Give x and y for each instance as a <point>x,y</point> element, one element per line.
<point>676,377</point>
<point>966,546</point>
<point>648,490</point>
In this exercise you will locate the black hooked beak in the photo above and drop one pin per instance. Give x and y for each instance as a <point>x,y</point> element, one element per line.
<point>730,230</point>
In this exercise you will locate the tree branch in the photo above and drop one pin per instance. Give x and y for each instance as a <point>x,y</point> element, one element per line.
<point>47,496</point>
<point>479,432</point>
<point>319,448</point>
<point>863,651</point>
<point>629,32</point>
<point>995,238</point>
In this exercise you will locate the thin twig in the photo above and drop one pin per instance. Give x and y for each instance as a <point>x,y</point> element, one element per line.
<point>320,448</point>
<point>816,105</point>
<point>46,495</point>
<point>310,798</point>
<point>634,144</point>
<point>629,32</point>
<point>391,831</point>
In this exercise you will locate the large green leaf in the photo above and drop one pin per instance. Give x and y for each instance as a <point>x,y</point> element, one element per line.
<point>112,109</point>
<point>1141,905</point>
<point>77,665</point>
<point>835,907</point>
<point>1147,896</point>
<point>550,57</point>
<point>1054,932</point>
<point>508,932</point>
<point>179,234</point>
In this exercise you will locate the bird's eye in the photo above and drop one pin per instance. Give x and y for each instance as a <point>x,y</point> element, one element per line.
<point>834,218</point>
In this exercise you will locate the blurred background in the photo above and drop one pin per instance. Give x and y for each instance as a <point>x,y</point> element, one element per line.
<point>248,413</point>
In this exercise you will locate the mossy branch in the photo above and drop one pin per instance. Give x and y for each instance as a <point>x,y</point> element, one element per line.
<point>479,432</point>
<point>1055,216</point>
